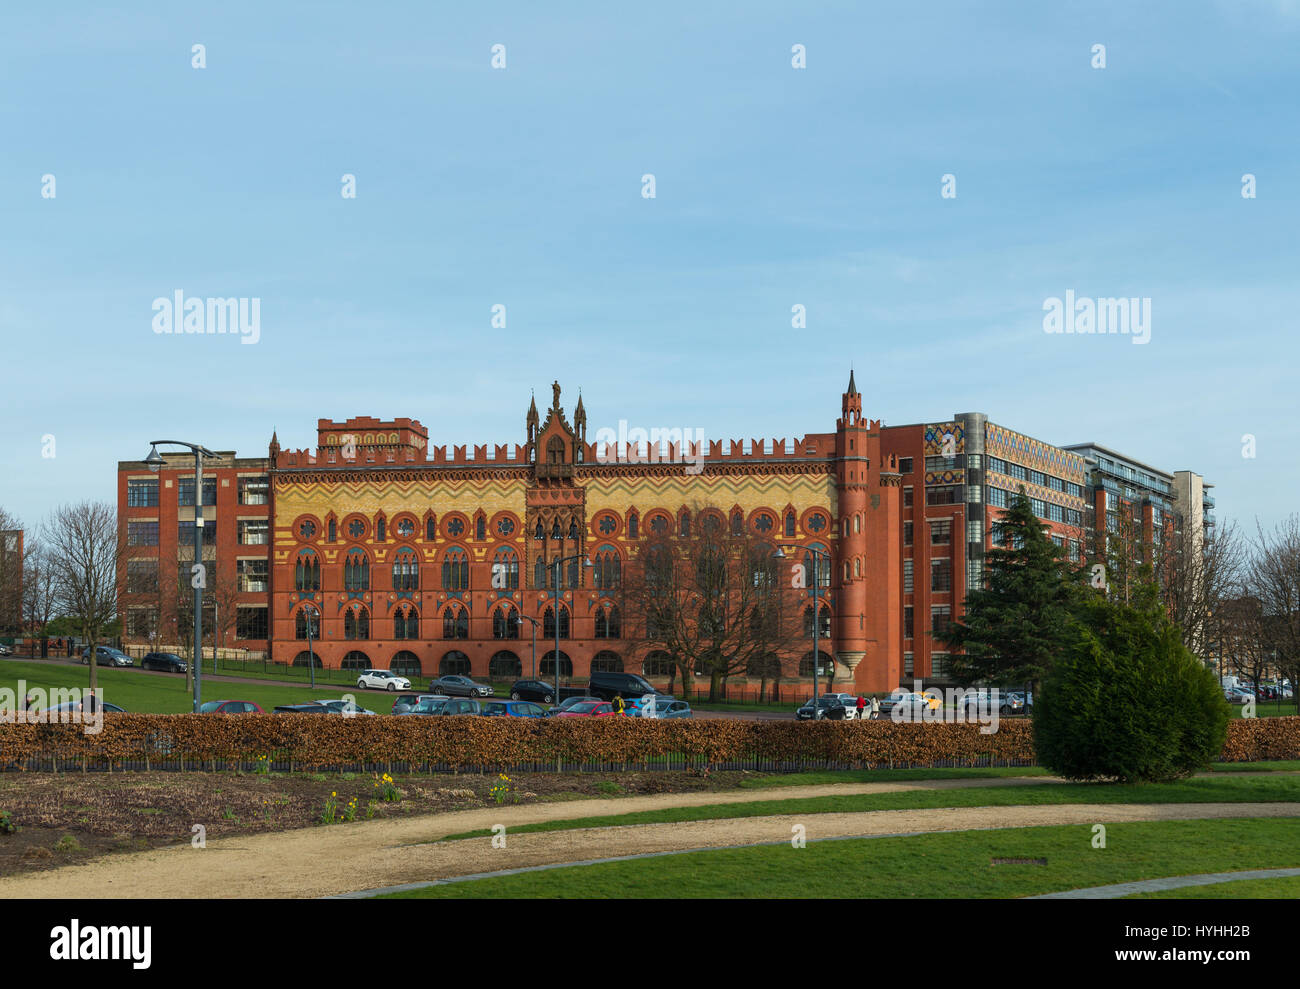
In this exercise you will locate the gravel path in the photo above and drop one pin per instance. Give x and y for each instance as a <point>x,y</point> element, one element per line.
<point>325,861</point>
<point>1118,890</point>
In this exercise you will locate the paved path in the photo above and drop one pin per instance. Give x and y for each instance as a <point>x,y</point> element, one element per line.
<point>1155,885</point>
<point>364,855</point>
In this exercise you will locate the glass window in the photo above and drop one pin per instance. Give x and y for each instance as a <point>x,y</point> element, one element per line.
<point>907,576</point>
<point>142,533</point>
<point>185,491</point>
<point>252,575</point>
<point>142,494</point>
<point>253,490</point>
<point>250,623</point>
<point>256,532</point>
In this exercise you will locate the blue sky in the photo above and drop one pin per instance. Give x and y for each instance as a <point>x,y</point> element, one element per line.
<point>774,187</point>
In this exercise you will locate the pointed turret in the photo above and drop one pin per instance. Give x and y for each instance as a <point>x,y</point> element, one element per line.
<point>851,404</point>
<point>580,420</point>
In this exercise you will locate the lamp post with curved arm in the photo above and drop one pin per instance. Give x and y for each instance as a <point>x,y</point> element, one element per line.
<point>155,461</point>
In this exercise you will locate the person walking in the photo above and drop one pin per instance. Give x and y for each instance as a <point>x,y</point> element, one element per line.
<point>875,708</point>
<point>862,703</point>
<point>618,703</point>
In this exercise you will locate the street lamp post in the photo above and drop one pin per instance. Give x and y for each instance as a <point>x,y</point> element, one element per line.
<point>311,611</point>
<point>558,564</point>
<point>155,461</point>
<point>519,621</point>
<point>817,556</point>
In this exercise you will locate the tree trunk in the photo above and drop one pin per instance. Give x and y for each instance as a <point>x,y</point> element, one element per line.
<point>715,681</point>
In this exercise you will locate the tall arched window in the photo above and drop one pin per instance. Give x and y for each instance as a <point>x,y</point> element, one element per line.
<point>306,572</point>
<point>505,623</point>
<point>609,623</point>
<point>555,450</point>
<point>737,523</point>
<point>607,570</point>
<point>455,623</point>
<point>789,524</point>
<point>306,615</point>
<point>480,528</point>
<point>356,571</point>
<point>823,620</point>
<point>632,526</point>
<point>822,574</point>
<point>505,570</point>
<point>356,623</point>
<point>406,622</point>
<point>430,529</point>
<point>686,524</point>
<point>381,529</point>
<point>406,571</point>
<point>332,530</point>
<point>548,623</point>
<point>455,570</point>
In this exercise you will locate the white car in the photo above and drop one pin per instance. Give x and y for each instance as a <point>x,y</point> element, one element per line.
<point>382,680</point>
<point>850,702</point>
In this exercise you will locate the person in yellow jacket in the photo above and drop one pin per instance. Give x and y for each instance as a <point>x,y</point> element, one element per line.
<point>618,704</point>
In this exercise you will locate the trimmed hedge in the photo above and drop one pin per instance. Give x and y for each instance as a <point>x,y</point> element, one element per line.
<point>311,742</point>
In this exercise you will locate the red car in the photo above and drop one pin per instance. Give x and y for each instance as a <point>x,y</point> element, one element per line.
<point>589,709</point>
<point>229,707</point>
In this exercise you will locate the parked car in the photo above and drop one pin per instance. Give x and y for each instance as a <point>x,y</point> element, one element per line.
<point>164,662</point>
<point>76,706</point>
<point>382,680</point>
<point>460,705</point>
<point>339,706</point>
<point>910,705</point>
<point>826,703</point>
<point>540,690</point>
<point>107,656</point>
<point>589,709</point>
<point>301,709</point>
<point>660,706</point>
<point>850,702</point>
<point>404,703</point>
<point>607,686</point>
<point>459,686</point>
<point>568,704</point>
<point>6,650</point>
<point>427,705</point>
<point>513,709</point>
<point>230,707</point>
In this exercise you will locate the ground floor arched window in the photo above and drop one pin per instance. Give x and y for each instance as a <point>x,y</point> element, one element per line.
<point>406,664</point>
<point>302,659</point>
<point>606,661</point>
<point>505,665</point>
<point>454,663</point>
<point>356,660</point>
<point>547,665</point>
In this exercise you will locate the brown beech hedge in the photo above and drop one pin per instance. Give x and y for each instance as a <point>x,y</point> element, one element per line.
<point>309,742</point>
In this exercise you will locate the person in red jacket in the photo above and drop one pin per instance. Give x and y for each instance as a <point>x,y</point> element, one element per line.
<point>862,703</point>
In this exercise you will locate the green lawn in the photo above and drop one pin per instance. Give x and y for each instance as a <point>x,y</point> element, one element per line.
<point>1226,789</point>
<point>153,693</point>
<point>948,866</point>
<point>1281,888</point>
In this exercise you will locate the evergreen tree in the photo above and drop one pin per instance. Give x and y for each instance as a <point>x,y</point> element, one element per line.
<point>1015,626</point>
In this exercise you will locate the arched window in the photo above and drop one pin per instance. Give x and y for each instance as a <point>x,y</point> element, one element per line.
<point>737,523</point>
<point>430,529</point>
<point>355,660</point>
<point>606,662</point>
<point>455,623</point>
<point>686,524</point>
<point>823,619</point>
<point>381,529</point>
<point>539,533</point>
<point>555,450</point>
<point>331,527</point>
<point>789,524</point>
<point>821,575</point>
<point>539,574</point>
<point>302,620</point>
<point>505,665</point>
<point>455,570</point>
<point>659,525</point>
<point>632,526</point>
<point>480,528</point>
<point>505,623</point>
<point>406,571</point>
<point>548,623</point>
<point>406,622</point>
<point>404,528</point>
<point>306,572</point>
<point>607,570</point>
<point>406,664</point>
<point>857,567</point>
<point>356,623</point>
<point>825,665</point>
<point>555,531</point>
<point>762,566</point>
<point>454,663</point>
<point>546,669</point>
<point>356,571</point>
<point>505,570</point>
<point>609,623</point>
<point>306,658</point>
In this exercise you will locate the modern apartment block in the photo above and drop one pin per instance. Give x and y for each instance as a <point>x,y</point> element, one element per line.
<point>159,512</point>
<point>958,478</point>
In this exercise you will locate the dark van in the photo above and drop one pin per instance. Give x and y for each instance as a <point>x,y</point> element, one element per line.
<point>627,685</point>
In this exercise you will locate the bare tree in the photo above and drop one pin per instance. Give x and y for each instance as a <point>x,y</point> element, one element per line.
<point>87,546</point>
<point>713,599</point>
<point>1197,577</point>
<point>1273,576</point>
<point>11,577</point>
<point>40,592</point>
